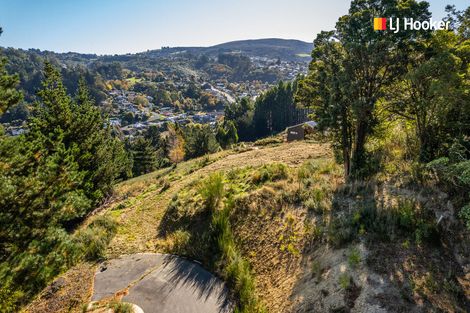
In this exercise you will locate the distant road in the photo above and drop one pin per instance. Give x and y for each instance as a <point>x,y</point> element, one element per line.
<point>160,283</point>
<point>227,96</point>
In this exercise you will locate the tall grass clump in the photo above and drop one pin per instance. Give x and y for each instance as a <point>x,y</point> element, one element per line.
<point>235,269</point>
<point>212,190</point>
<point>121,307</point>
<point>270,172</point>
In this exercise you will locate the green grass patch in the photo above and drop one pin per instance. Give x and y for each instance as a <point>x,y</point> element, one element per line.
<point>270,172</point>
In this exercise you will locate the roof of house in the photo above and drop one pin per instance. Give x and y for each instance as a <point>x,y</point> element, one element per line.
<point>312,124</point>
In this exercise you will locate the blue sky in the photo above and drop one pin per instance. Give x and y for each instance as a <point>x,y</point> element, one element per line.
<point>119,26</point>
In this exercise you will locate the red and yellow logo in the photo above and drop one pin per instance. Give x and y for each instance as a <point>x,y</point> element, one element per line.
<point>380,23</point>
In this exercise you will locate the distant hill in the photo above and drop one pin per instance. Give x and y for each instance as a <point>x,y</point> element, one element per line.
<point>272,47</point>
<point>285,49</point>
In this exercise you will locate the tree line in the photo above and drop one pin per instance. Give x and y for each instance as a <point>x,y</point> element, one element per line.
<point>269,114</point>
<point>51,177</point>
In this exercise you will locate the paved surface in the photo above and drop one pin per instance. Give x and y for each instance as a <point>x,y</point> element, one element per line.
<point>160,283</point>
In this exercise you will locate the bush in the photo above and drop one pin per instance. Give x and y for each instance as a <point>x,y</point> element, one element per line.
<point>454,173</point>
<point>26,272</point>
<point>10,296</point>
<point>93,240</point>
<point>316,200</point>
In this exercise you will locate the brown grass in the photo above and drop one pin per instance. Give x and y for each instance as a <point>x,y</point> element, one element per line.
<point>67,293</point>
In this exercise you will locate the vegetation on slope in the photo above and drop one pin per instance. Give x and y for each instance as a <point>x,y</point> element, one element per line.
<point>51,178</point>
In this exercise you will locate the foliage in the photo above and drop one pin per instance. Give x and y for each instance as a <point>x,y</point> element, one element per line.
<point>272,112</point>
<point>93,240</point>
<point>433,96</point>
<point>199,140</point>
<point>8,93</point>
<point>28,66</point>
<point>465,215</point>
<point>268,141</point>
<point>454,174</point>
<point>406,219</point>
<point>275,110</point>
<point>354,257</point>
<point>227,134</point>
<point>345,280</point>
<point>51,177</point>
<point>120,307</point>
<point>149,152</point>
<point>176,144</point>
<point>241,114</point>
<point>270,172</point>
<point>351,68</point>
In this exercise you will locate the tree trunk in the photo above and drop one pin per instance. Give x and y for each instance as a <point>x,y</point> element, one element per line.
<point>358,157</point>
<point>346,143</point>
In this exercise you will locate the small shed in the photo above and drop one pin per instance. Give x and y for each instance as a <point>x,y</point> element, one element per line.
<point>297,132</point>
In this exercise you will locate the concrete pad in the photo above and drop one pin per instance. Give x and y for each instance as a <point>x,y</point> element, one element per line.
<point>117,274</point>
<point>161,283</point>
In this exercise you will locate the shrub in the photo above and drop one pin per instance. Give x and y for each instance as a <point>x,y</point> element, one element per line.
<point>37,264</point>
<point>340,231</point>
<point>93,240</point>
<point>9,296</point>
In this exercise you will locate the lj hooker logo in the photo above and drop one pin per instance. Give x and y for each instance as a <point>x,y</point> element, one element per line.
<point>380,23</point>
<point>396,24</point>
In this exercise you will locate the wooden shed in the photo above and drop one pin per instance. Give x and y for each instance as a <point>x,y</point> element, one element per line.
<point>297,132</point>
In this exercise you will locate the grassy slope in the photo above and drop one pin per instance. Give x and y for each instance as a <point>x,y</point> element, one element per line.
<point>284,229</point>
<point>145,204</point>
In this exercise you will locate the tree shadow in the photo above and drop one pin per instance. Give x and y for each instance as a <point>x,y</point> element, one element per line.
<point>183,273</point>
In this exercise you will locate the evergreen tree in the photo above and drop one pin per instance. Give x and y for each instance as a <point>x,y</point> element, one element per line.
<point>50,178</point>
<point>8,93</point>
<point>199,140</point>
<point>227,134</point>
<point>144,156</point>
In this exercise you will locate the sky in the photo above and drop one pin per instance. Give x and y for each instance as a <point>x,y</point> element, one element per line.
<point>129,26</point>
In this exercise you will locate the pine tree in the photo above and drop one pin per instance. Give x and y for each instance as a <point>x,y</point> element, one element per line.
<point>144,156</point>
<point>9,96</point>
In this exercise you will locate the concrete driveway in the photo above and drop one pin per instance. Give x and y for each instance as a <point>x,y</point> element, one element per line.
<point>161,283</point>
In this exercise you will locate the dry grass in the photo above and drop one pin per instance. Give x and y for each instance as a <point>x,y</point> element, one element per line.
<point>67,293</point>
<point>140,213</point>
